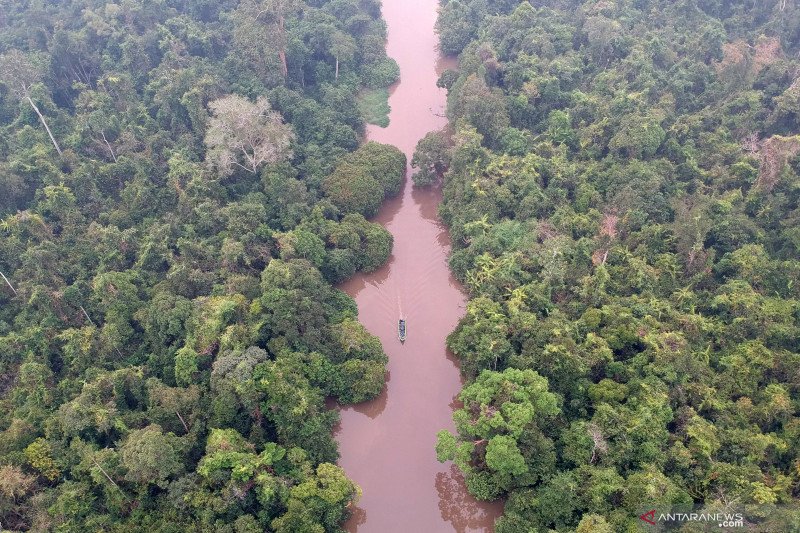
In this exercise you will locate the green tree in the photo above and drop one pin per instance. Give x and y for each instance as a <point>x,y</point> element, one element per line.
<point>320,503</point>
<point>638,136</point>
<point>480,340</point>
<point>483,106</point>
<point>501,442</point>
<point>454,27</point>
<point>432,158</point>
<point>343,47</point>
<point>353,190</point>
<point>151,456</point>
<point>384,162</point>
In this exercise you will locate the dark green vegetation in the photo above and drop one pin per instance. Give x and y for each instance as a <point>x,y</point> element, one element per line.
<point>168,328</point>
<point>364,178</point>
<point>431,158</point>
<point>623,194</point>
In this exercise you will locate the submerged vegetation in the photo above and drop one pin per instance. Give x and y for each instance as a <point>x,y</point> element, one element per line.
<point>623,195</point>
<point>374,106</point>
<point>171,226</point>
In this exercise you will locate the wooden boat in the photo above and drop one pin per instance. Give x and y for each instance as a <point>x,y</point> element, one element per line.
<point>401,330</point>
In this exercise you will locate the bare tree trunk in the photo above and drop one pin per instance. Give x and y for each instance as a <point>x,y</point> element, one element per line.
<point>337,68</point>
<point>284,67</point>
<point>109,477</point>
<point>109,146</point>
<point>182,421</point>
<point>95,325</point>
<point>44,122</point>
<point>87,316</point>
<point>9,283</point>
<point>282,52</point>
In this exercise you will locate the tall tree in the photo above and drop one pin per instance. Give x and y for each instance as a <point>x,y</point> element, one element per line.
<point>20,72</point>
<point>343,48</point>
<point>246,135</point>
<point>275,13</point>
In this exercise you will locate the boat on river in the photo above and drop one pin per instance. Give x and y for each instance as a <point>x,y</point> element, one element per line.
<point>401,330</point>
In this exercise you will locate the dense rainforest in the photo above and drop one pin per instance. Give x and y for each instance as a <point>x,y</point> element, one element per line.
<point>181,184</point>
<point>622,186</point>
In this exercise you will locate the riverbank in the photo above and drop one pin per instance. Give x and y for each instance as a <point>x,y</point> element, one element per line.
<point>387,445</point>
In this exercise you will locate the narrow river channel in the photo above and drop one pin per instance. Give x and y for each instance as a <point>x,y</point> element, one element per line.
<point>387,445</point>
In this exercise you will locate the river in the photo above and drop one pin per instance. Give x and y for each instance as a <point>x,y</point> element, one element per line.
<point>387,445</point>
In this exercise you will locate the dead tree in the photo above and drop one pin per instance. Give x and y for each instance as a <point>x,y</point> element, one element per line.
<point>20,72</point>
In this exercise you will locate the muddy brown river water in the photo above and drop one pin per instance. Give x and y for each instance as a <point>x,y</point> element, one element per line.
<point>387,445</point>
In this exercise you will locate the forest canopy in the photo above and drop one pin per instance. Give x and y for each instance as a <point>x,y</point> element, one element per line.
<point>622,186</point>
<point>169,241</point>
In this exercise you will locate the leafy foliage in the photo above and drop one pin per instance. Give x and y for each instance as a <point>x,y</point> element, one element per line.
<point>432,158</point>
<point>621,191</point>
<point>365,178</point>
<point>168,329</point>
